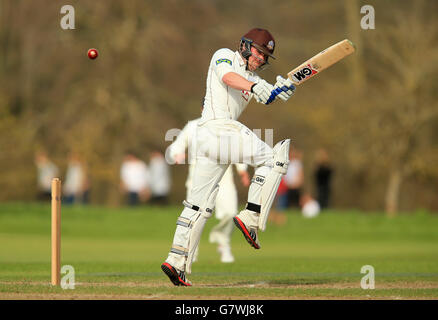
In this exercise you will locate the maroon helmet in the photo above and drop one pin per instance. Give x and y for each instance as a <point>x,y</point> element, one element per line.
<point>261,39</point>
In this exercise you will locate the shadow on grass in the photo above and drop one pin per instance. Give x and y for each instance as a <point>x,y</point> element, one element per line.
<point>302,281</point>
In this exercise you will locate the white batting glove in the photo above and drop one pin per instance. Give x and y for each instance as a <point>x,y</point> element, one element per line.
<point>262,91</point>
<point>287,87</point>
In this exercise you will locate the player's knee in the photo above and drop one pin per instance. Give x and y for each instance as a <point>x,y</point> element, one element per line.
<point>280,157</point>
<point>207,206</point>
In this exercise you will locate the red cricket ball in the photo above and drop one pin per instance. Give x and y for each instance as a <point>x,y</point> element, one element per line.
<point>92,53</point>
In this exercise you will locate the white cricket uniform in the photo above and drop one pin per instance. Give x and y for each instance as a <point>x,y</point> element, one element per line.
<point>135,175</point>
<point>219,140</point>
<point>293,174</point>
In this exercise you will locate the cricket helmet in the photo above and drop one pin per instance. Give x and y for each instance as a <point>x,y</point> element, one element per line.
<point>259,38</point>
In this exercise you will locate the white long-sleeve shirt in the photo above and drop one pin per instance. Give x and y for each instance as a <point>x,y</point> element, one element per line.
<point>222,101</point>
<point>135,175</point>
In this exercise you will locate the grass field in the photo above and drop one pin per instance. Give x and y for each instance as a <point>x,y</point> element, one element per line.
<point>117,253</point>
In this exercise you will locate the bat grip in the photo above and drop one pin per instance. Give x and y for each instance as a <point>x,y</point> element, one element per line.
<point>276,92</point>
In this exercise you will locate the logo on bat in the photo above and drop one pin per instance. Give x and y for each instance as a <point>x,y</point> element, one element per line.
<point>304,73</point>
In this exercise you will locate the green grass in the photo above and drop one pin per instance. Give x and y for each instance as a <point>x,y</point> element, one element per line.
<point>116,253</point>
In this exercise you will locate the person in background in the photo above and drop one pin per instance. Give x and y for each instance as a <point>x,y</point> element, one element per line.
<point>46,171</point>
<point>76,182</point>
<point>135,179</point>
<point>159,178</point>
<point>323,176</point>
<point>282,196</point>
<point>278,214</point>
<point>294,178</point>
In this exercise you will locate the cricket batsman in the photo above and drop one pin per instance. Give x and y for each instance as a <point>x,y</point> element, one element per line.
<point>226,201</point>
<point>220,140</point>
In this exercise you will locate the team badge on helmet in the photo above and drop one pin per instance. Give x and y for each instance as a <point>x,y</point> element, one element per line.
<point>270,45</point>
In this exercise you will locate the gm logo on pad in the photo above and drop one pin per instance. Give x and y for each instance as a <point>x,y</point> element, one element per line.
<point>258,179</point>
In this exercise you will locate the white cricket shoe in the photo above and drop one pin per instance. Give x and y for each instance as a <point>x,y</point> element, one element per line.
<point>226,255</point>
<point>247,222</point>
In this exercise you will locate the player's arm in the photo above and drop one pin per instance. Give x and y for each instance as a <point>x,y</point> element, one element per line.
<point>222,61</point>
<point>263,91</point>
<point>243,173</point>
<point>236,81</point>
<point>223,67</point>
<point>178,148</point>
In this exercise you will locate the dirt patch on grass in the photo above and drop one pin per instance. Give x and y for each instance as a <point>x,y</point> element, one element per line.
<point>54,296</point>
<point>163,283</point>
<point>82,296</point>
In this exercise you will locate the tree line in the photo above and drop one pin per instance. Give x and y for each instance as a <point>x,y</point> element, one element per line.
<point>375,113</point>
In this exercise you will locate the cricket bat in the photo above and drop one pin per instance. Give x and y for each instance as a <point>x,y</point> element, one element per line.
<point>321,61</point>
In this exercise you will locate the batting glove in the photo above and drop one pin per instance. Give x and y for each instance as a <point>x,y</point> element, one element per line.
<point>262,91</point>
<point>284,87</point>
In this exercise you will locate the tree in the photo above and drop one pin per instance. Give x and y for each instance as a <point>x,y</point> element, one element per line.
<point>403,55</point>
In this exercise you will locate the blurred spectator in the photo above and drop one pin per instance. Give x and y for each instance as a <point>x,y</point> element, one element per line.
<point>135,179</point>
<point>159,178</point>
<point>309,207</point>
<point>323,176</point>
<point>76,183</point>
<point>277,214</point>
<point>282,200</point>
<point>294,178</point>
<point>47,170</point>
<point>289,190</point>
